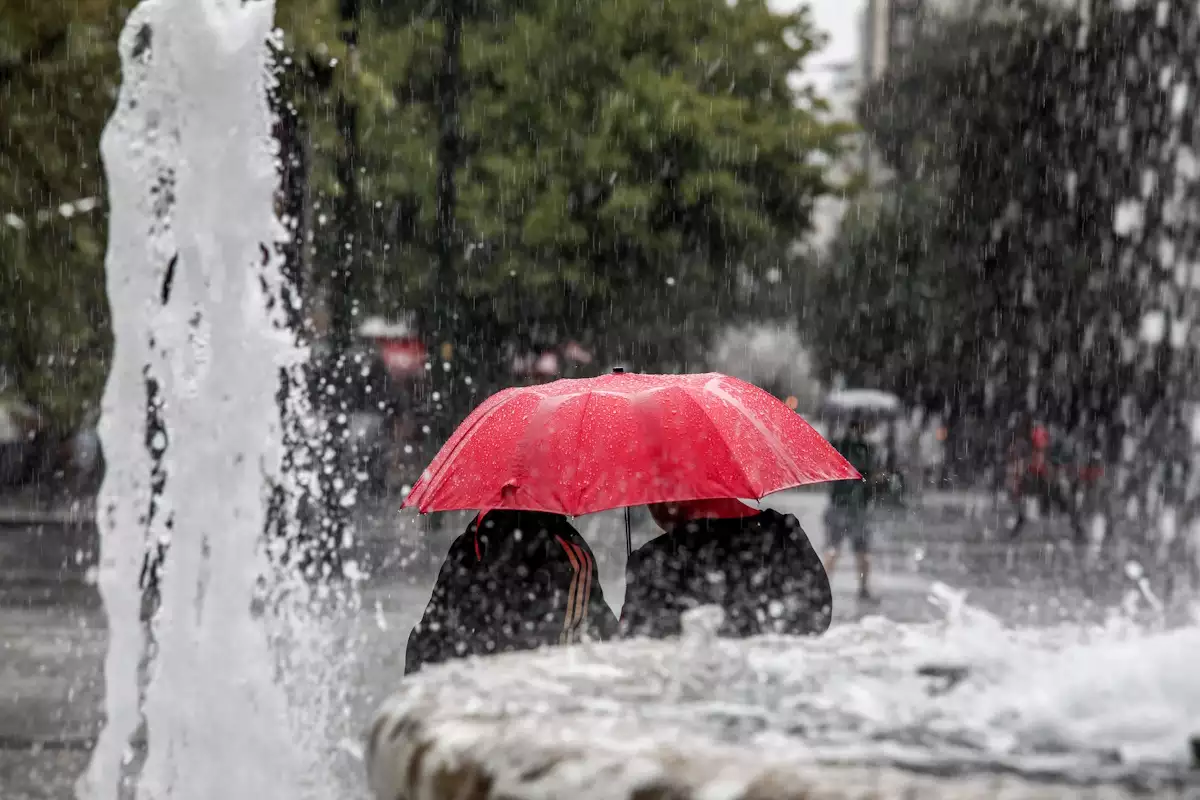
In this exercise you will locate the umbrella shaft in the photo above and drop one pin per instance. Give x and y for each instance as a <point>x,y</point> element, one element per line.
<point>628,531</point>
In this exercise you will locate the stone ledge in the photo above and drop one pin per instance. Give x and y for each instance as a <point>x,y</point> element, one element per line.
<point>426,753</point>
<point>770,718</point>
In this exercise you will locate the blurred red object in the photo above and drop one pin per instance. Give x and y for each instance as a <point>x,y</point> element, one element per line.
<point>577,353</point>
<point>547,365</point>
<point>1040,437</point>
<point>403,357</point>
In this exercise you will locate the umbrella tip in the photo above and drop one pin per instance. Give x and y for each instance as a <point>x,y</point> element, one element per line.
<point>618,370</point>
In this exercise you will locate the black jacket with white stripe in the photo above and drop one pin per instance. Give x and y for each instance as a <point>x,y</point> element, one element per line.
<point>516,581</point>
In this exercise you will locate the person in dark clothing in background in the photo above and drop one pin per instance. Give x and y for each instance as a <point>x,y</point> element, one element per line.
<point>846,516</point>
<point>514,580</point>
<point>757,565</point>
<point>1042,477</point>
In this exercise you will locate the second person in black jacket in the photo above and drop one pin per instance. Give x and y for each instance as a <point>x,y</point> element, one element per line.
<point>759,566</point>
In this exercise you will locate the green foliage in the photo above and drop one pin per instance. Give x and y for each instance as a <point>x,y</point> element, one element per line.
<point>612,150</point>
<point>622,162</point>
<point>58,80</point>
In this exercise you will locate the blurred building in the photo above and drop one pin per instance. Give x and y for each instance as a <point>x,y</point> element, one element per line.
<point>840,85</point>
<point>889,29</point>
<point>886,33</point>
<point>889,33</point>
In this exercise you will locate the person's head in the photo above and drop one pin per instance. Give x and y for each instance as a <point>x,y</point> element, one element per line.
<point>508,520</point>
<point>857,426</point>
<point>668,515</point>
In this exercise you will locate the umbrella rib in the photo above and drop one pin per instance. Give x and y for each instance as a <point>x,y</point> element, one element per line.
<point>771,441</point>
<point>720,435</point>
<point>587,402</point>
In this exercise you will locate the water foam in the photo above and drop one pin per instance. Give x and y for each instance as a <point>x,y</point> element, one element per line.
<point>194,283</point>
<point>1115,701</point>
<point>968,694</point>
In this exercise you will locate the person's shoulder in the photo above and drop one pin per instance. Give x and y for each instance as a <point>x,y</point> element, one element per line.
<point>771,516</point>
<point>563,531</point>
<point>658,544</point>
<point>462,559</point>
<point>464,545</point>
<point>652,551</point>
<point>555,540</point>
<point>779,523</point>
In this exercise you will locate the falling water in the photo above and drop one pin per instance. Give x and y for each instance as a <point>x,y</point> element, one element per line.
<point>193,279</point>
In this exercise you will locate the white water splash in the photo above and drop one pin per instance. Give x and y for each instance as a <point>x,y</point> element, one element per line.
<point>192,277</point>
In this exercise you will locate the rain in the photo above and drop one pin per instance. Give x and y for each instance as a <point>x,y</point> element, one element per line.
<point>599,399</point>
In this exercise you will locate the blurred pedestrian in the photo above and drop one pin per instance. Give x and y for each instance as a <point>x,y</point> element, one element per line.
<point>514,580</point>
<point>759,566</point>
<point>849,503</point>
<point>1043,481</point>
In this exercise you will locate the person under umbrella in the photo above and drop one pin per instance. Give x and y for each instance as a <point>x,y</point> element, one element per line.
<point>514,580</point>
<point>575,447</point>
<point>759,566</point>
<point>847,516</point>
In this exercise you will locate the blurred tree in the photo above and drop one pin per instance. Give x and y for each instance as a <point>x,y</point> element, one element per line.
<point>619,161</point>
<point>673,152</point>
<point>886,307</point>
<point>1062,150</point>
<point>58,80</point>
<point>627,169</point>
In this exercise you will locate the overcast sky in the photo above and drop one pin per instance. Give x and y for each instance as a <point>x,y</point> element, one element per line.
<point>839,19</point>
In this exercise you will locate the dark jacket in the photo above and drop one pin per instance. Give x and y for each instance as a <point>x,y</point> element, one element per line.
<point>519,581</point>
<point>762,570</point>
<point>854,494</point>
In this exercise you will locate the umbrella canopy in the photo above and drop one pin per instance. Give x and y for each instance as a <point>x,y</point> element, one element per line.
<point>579,446</point>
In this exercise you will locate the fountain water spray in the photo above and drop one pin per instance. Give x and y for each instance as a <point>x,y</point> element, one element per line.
<point>194,283</point>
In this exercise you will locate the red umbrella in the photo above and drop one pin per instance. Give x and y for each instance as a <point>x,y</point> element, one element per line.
<point>578,446</point>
